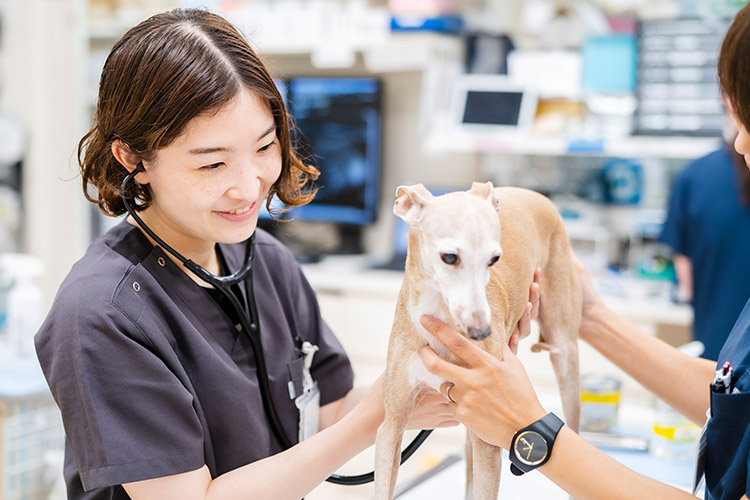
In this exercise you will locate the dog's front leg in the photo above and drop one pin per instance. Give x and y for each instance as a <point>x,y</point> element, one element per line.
<point>469,458</point>
<point>485,475</point>
<point>388,454</point>
<point>399,399</point>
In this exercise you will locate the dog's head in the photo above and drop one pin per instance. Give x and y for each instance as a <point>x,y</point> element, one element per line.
<point>458,237</point>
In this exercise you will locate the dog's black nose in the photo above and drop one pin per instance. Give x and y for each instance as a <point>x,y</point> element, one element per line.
<point>477,334</point>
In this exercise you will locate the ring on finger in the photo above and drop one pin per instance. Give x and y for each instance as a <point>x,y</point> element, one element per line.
<point>448,392</point>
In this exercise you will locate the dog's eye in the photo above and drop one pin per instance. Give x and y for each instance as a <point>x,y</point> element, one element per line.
<point>449,258</point>
<point>493,260</point>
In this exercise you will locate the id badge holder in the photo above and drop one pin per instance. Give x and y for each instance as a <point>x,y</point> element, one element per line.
<point>308,403</point>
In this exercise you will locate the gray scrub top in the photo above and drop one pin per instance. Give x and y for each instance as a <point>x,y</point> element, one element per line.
<point>148,375</point>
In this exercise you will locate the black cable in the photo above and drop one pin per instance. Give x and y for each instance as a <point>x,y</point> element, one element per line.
<point>370,476</point>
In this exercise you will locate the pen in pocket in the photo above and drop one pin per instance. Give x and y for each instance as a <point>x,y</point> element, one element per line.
<point>723,379</point>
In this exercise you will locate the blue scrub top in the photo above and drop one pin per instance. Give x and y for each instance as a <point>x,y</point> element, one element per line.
<point>707,222</point>
<point>728,430</point>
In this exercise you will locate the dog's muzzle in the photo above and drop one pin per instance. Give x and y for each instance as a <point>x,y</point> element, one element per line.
<point>477,334</point>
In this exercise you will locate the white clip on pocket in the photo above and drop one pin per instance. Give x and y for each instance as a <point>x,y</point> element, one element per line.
<point>308,403</point>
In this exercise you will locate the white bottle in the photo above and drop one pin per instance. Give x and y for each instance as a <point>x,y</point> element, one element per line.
<point>25,301</point>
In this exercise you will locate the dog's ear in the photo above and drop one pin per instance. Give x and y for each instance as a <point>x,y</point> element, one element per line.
<point>485,191</point>
<point>410,202</point>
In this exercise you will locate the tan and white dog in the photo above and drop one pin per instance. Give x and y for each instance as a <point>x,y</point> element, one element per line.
<point>457,272</point>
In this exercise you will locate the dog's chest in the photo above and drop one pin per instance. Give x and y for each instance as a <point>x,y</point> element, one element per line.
<point>428,303</point>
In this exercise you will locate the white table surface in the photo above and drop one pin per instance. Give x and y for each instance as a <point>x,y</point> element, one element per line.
<point>450,482</point>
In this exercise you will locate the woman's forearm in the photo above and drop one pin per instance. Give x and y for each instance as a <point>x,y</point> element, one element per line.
<point>295,472</point>
<point>335,411</point>
<point>678,379</point>
<point>586,472</point>
<point>287,475</point>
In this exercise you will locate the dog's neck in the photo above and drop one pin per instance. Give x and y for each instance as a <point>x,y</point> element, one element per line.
<point>422,296</point>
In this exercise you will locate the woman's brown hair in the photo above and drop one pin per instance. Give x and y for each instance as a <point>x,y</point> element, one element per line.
<point>734,66</point>
<point>160,75</point>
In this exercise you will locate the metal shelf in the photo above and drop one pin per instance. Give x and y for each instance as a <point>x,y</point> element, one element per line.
<point>632,146</point>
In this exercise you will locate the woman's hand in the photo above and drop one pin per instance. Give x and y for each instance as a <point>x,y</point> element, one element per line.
<point>591,301</point>
<point>530,314</point>
<point>432,411</point>
<point>494,398</point>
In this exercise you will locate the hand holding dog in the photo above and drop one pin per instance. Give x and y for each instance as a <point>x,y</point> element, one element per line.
<point>530,313</point>
<point>591,301</point>
<point>432,411</point>
<point>494,398</point>
<point>444,415</point>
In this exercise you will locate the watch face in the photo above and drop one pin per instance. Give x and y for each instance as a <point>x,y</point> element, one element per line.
<point>530,448</point>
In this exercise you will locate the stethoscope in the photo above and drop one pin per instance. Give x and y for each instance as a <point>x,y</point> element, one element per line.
<point>224,284</point>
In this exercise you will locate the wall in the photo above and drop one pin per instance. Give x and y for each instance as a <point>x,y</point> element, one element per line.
<point>44,57</point>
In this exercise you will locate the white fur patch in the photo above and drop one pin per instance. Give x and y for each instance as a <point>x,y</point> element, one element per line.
<point>418,373</point>
<point>429,304</point>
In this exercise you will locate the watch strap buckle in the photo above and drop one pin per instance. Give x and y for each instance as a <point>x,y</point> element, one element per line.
<point>515,470</point>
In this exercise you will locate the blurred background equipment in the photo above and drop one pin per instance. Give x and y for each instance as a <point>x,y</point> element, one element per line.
<point>12,151</point>
<point>677,89</point>
<point>31,430</point>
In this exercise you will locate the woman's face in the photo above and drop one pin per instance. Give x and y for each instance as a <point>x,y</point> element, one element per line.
<point>208,185</point>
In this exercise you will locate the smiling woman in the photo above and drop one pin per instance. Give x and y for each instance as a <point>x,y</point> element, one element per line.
<point>163,73</point>
<point>168,387</point>
<point>207,185</point>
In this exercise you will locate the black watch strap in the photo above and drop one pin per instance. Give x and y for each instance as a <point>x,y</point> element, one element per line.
<point>531,447</point>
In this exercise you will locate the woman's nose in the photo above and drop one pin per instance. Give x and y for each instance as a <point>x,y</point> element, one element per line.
<point>246,183</point>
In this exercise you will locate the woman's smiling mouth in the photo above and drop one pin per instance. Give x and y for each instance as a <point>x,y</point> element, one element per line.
<point>240,210</point>
<point>239,214</point>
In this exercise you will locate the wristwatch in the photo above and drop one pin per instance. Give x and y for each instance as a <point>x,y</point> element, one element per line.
<point>532,445</point>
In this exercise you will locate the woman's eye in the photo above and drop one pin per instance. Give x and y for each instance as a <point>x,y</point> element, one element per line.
<point>266,147</point>
<point>493,260</point>
<point>449,258</point>
<point>212,166</point>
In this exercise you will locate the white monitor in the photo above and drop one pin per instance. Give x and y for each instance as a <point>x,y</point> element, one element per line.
<point>492,104</point>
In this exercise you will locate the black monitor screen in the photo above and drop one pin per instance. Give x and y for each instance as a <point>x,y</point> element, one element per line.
<point>492,108</point>
<point>339,131</point>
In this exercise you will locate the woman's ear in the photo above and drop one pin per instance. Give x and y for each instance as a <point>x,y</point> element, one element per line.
<point>125,156</point>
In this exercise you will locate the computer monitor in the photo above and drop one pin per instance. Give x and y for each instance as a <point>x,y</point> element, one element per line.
<point>491,104</point>
<point>339,131</point>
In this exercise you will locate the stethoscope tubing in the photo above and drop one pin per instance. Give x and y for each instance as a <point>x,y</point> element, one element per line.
<point>223,284</point>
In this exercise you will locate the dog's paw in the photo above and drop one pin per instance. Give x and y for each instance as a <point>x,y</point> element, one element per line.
<point>543,346</point>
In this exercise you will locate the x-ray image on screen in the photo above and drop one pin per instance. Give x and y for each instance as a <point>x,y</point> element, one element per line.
<point>339,131</point>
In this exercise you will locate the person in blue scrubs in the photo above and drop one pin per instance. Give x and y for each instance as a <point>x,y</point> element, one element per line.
<point>496,400</point>
<point>708,229</point>
<point>151,367</point>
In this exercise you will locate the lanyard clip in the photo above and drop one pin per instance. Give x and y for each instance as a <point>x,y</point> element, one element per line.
<point>309,350</point>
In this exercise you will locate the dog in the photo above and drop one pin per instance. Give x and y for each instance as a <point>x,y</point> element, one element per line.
<point>457,271</point>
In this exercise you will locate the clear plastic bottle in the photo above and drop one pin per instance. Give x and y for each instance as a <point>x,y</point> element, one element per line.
<point>674,436</point>
<point>600,400</point>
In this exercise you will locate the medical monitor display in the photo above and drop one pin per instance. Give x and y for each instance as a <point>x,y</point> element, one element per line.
<point>491,104</point>
<point>339,131</point>
<point>492,108</point>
